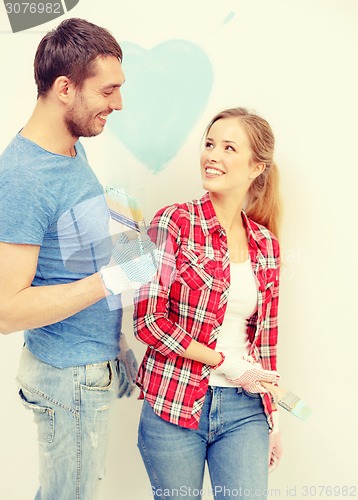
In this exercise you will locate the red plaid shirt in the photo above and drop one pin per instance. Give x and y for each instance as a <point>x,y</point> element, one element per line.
<point>187,300</point>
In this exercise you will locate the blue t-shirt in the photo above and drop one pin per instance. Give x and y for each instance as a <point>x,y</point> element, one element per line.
<point>56,202</point>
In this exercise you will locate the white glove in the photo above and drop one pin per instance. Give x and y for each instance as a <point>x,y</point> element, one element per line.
<point>134,264</point>
<point>246,374</point>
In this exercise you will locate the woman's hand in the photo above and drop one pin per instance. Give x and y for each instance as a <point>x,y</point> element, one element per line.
<point>275,450</point>
<point>244,372</point>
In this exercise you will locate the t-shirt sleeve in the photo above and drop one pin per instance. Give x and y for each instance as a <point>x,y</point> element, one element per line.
<point>25,214</point>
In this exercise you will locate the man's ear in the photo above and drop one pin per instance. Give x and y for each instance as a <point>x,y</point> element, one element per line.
<point>63,88</point>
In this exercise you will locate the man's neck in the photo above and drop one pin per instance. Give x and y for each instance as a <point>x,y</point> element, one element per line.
<point>46,129</point>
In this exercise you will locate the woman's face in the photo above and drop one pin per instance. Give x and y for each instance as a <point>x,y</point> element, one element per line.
<point>226,161</point>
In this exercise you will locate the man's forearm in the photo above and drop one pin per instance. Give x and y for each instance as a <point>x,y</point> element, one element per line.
<point>35,307</point>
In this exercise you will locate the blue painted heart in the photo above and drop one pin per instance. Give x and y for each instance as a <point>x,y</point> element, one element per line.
<point>166,91</point>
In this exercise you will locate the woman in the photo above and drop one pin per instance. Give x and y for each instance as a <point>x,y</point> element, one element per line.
<point>210,322</point>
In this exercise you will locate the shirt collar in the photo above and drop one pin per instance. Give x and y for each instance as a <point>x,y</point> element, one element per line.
<point>210,223</point>
<point>251,233</point>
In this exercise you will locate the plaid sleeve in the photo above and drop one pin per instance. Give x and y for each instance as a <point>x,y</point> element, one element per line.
<point>267,344</point>
<point>152,324</point>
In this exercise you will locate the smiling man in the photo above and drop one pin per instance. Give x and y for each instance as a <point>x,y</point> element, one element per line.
<point>54,245</point>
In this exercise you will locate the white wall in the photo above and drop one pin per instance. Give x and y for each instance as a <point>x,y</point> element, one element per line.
<point>295,63</point>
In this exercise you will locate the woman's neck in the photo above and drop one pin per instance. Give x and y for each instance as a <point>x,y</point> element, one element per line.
<point>228,212</point>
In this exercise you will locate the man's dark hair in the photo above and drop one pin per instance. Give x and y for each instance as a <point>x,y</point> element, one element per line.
<point>71,50</point>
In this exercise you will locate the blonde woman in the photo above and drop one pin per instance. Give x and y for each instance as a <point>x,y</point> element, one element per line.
<point>209,320</point>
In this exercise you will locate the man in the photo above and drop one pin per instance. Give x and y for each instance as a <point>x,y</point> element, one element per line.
<point>54,248</point>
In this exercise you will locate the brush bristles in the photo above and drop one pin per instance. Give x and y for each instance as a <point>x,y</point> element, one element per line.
<point>295,405</point>
<point>302,410</point>
<point>124,208</point>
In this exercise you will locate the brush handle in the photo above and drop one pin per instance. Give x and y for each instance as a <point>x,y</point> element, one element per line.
<point>277,392</point>
<point>143,236</point>
<point>289,401</point>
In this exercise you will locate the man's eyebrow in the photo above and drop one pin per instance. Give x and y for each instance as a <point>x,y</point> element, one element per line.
<point>112,85</point>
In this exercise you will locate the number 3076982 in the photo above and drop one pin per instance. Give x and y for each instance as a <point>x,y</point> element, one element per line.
<point>33,8</point>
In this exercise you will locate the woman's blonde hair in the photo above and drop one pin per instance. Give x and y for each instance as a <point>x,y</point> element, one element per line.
<point>263,203</point>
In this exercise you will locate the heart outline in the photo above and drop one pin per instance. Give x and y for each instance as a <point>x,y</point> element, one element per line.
<point>166,91</point>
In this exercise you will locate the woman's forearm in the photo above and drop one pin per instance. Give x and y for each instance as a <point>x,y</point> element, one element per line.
<point>202,353</point>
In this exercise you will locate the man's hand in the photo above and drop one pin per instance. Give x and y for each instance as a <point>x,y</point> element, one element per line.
<point>127,368</point>
<point>134,263</point>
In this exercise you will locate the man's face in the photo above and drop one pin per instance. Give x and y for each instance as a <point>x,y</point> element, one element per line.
<point>98,97</point>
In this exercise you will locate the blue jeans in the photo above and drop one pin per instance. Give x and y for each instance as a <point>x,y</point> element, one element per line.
<point>232,438</point>
<point>71,410</point>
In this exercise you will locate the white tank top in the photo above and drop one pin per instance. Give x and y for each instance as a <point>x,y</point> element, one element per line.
<point>242,303</point>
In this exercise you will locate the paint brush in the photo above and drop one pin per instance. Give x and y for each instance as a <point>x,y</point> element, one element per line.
<point>289,401</point>
<point>126,211</point>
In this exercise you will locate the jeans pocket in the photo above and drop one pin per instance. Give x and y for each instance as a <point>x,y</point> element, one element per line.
<point>253,395</point>
<point>100,377</point>
<point>43,415</point>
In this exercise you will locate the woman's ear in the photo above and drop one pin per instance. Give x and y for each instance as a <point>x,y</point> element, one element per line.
<point>257,169</point>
